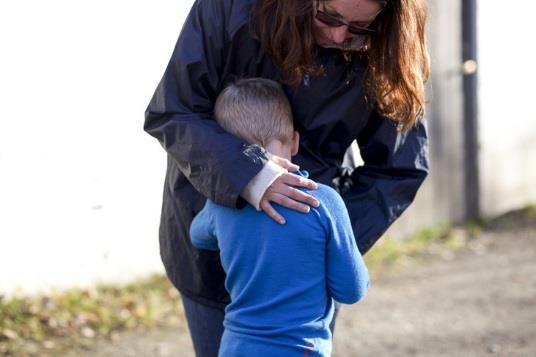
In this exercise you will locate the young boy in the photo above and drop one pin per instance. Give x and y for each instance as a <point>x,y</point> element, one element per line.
<point>282,279</point>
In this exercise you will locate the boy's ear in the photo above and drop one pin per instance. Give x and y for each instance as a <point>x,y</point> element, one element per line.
<point>295,143</point>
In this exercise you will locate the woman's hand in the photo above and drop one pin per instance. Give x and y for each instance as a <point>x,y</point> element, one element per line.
<point>282,192</point>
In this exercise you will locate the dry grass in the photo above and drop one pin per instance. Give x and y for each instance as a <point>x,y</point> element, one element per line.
<point>76,317</point>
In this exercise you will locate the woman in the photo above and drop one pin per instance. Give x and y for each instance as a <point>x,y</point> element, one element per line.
<point>352,70</point>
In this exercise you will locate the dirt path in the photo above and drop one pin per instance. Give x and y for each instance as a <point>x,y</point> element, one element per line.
<point>478,301</point>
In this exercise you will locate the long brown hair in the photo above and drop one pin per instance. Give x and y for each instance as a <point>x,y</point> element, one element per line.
<point>398,63</point>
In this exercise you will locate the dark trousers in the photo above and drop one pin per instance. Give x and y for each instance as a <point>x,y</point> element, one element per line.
<point>206,326</point>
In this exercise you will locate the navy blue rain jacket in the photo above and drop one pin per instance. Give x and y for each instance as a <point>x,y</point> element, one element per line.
<point>215,47</point>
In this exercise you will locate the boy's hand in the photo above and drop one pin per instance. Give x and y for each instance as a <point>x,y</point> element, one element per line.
<point>282,192</point>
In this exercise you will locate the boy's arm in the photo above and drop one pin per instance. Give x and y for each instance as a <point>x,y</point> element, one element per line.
<point>347,274</point>
<point>202,233</point>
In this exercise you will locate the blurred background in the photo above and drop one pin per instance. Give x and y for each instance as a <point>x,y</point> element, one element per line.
<point>81,183</point>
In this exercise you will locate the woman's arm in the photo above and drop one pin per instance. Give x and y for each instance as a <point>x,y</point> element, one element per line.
<point>180,114</point>
<point>395,166</point>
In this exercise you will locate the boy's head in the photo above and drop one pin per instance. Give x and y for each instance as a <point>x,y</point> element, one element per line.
<point>257,111</point>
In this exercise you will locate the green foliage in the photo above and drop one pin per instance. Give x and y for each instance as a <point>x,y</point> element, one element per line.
<point>530,211</point>
<point>388,251</point>
<point>474,227</point>
<point>422,238</point>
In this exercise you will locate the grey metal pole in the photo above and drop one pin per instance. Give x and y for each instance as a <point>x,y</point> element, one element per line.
<point>470,95</point>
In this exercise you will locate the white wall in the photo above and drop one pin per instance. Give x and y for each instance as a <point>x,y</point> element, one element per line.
<point>440,199</point>
<point>507,77</point>
<point>80,182</point>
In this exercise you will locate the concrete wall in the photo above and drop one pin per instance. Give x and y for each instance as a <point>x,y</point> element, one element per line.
<point>507,121</point>
<point>441,198</point>
<point>81,184</point>
<point>507,115</point>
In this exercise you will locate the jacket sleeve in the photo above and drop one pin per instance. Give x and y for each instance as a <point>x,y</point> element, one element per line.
<point>395,166</point>
<point>180,114</point>
<point>347,275</point>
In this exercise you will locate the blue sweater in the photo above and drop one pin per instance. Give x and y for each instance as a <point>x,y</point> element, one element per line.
<point>282,278</point>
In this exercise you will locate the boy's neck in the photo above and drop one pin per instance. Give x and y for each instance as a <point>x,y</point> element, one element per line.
<point>275,147</point>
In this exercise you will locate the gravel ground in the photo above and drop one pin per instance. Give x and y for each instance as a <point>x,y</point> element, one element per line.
<point>477,301</point>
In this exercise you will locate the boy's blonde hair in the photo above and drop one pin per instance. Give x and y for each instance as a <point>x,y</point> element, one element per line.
<point>255,110</point>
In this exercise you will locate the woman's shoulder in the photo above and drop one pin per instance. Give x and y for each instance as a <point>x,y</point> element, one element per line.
<point>234,13</point>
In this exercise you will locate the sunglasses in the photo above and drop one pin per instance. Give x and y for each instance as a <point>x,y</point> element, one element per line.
<point>333,21</point>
